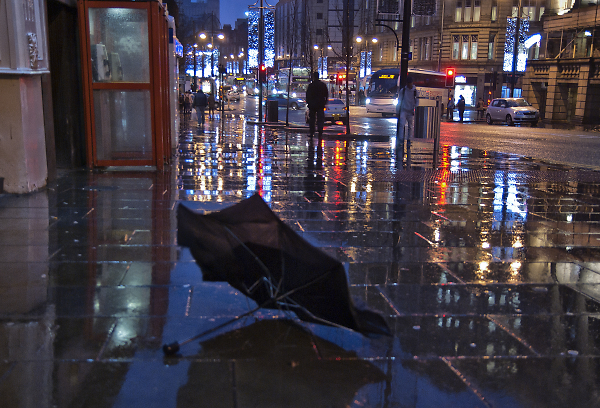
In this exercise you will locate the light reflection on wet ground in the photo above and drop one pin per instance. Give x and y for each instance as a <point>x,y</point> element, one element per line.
<point>486,269</point>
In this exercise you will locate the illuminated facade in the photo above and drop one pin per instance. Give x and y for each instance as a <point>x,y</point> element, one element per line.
<point>564,83</point>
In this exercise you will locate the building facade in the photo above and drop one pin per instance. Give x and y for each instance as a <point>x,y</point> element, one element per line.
<point>564,83</point>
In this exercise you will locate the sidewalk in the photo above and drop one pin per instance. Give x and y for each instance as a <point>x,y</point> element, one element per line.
<point>486,269</point>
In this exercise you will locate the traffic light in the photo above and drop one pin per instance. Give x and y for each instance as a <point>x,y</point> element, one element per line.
<point>450,75</point>
<point>341,78</point>
<point>262,73</point>
<point>494,80</point>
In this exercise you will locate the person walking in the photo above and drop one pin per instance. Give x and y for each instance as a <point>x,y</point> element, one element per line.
<point>460,105</point>
<point>480,109</point>
<point>407,101</point>
<point>200,103</point>
<point>188,101</point>
<point>450,113</point>
<point>316,98</point>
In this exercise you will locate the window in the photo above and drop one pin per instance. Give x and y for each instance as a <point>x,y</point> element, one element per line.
<point>477,10</point>
<point>319,1</point>
<point>491,46</point>
<point>473,47</point>
<point>458,14</point>
<point>319,31</point>
<point>494,10</point>
<point>319,16</point>
<point>542,9</point>
<point>455,46</point>
<point>471,11</point>
<point>529,12</point>
<point>464,47</point>
<point>467,10</point>
<point>425,49</point>
<point>464,53</point>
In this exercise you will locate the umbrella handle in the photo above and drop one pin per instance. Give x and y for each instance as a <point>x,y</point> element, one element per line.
<point>173,348</point>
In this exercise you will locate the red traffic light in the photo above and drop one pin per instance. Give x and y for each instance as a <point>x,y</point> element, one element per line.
<point>262,73</point>
<point>450,74</point>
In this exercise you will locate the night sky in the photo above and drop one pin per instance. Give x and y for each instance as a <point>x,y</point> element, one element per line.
<point>231,10</point>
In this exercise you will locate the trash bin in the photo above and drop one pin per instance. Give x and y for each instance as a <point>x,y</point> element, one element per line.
<point>272,111</point>
<point>427,119</point>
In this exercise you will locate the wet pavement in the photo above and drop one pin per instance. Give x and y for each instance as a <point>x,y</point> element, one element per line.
<point>487,270</point>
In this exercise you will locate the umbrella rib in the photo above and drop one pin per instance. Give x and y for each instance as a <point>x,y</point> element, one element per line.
<point>293,302</point>
<point>260,263</point>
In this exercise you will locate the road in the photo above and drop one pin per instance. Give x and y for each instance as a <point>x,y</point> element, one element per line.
<point>569,146</point>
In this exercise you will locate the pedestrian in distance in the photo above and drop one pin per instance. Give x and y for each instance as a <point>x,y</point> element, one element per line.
<point>460,105</point>
<point>187,104</point>
<point>211,105</point>
<point>316,98</point>
<point>450,113</point>
<point>407,100</point>
<point>480,108</point>
<point>200,103</point>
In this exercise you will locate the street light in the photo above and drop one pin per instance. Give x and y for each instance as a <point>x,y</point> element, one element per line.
<point>322,67</point>
<point>210,46</point>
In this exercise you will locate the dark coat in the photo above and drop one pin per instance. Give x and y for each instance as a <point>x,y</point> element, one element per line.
<point>200,100</point>
<point>316,95</point>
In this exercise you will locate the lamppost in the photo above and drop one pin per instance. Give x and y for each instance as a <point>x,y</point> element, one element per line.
<point>202,37</point>
<point>195,68</point>
<point>364,62</point>
<point>211,47</point>
<point>321,64</point>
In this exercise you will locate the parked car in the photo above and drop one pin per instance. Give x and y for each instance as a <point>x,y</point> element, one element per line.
<point>335,110</point>
<point>511,111</point>
<point>282,101</point>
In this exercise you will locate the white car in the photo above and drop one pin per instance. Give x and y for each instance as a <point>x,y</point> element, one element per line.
<point>335,110</point>
<point>233,96</point>
<point>511,111</point>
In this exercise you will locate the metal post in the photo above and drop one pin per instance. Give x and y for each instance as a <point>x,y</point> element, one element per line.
<point>261,35</point>
<point>436,133</point>
<point>516,51</point>
<point>195,67</point>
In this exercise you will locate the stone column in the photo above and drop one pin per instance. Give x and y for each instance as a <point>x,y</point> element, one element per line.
<point>23,61</point>
<point>552,90</point>
<point>22,137</point>
<point>582,88</point>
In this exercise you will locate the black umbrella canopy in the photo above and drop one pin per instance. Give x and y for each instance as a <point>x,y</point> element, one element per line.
<point>249,247</point>
<point>275,363</point>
